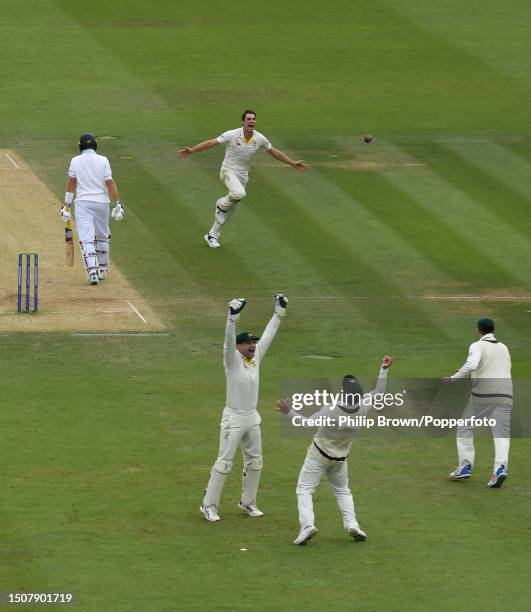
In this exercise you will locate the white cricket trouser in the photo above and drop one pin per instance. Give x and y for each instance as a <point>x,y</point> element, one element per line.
<point>336,472</point>
<point>236,432</point>
<point>492,408</point>
<point>226,206</point>
<point>92,225</point>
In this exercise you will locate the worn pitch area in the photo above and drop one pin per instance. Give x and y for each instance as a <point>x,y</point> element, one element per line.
<point>31,223</point>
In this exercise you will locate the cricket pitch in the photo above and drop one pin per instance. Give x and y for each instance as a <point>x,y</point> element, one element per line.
<point>31,223</point>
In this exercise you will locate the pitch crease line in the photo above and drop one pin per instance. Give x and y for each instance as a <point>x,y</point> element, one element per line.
<point>136,311</point>
<point>131,334</point>
<point>12,161</point>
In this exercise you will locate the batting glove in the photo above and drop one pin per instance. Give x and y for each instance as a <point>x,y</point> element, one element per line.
<point>235,307</point>
<point>281,304</point>
<point>118,212</point>
<point>66,213</point>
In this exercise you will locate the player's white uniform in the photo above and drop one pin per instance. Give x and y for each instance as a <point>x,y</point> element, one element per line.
<point>240,423</point>
<point>92,208</point>
<point>489,366</point>
<point>327,454</point>
<point>234,172</point>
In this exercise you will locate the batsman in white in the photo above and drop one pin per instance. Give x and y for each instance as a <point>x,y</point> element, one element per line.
<point>328,452</point>
<point>240,423</point>
<point>241,146</point>
<point>90,178</point>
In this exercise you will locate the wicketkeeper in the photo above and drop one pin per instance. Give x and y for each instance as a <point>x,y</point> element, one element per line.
<point>328,453</point>
<point>240,423</point>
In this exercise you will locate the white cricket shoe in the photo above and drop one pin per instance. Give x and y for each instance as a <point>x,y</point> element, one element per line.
<point>357,534</point>
<point>93,278</point>
<point>305,535</point>
<point>210,513</point>
<point>250,509</point>
<point>212,242</point>
<point>102,275</point>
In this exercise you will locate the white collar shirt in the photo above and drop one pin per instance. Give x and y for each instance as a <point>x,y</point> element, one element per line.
<point>90,171</point>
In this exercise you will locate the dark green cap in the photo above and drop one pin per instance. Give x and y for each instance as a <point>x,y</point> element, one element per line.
<point>486,326</point>
<point>246,336</point>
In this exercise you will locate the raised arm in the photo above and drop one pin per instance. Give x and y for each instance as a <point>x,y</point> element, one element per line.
<point>278,154</point>
<point>281,305</point>
<point>206,144</point>
<point>233,315</point>
<point>381,384</point>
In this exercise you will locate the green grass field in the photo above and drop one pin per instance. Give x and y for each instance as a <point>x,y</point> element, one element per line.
<point>107,442</point>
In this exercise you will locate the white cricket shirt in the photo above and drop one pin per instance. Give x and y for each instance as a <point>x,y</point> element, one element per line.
<point>243,375</point>
<point>91,171</point>
<point>489,366</point>
<point>240,152</point>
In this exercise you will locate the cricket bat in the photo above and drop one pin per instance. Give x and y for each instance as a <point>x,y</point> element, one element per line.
<point>69,244</point>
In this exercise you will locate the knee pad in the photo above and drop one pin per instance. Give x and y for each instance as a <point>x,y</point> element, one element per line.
<point>102,246</point>
<point>255,463</point>
<point>223,466</point>
<point>237,195</point>
<point>223,214</point>
<point>88,248</point>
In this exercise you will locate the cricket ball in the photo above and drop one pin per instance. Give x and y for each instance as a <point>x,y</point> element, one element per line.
<point>367,138</point>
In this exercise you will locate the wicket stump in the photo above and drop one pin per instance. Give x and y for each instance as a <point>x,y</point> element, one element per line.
<point>27,281</point>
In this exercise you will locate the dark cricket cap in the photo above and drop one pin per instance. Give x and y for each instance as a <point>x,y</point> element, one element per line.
<point>246,336</point>
<point>350,384</point>
<point>87,141</point>
<point>486,325</point>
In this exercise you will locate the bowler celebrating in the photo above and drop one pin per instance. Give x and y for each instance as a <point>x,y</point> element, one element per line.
<point>241,146</point>
<point>240,423</point>
<point>328,454</point>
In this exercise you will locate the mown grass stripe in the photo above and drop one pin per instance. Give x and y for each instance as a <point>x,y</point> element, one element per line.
<point>371,271</point>
<point>483,231</point>
<point>510,171</point>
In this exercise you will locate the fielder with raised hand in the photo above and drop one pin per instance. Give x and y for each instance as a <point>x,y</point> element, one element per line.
<point>328,454</point>
<point>241,145</point>
<point>240,423</point>
<point>90,177</point>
